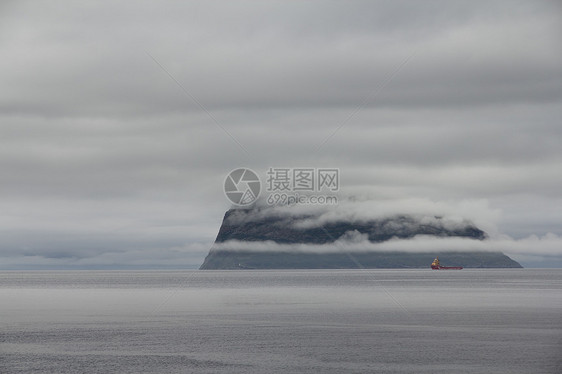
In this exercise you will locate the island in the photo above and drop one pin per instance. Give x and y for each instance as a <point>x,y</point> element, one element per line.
<point>269,238</point>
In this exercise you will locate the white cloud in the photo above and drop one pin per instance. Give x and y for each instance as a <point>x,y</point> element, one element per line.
<point>548,245</point>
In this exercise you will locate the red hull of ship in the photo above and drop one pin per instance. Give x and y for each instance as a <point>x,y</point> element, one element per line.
<point>446,267</point>
<point>436,265</point>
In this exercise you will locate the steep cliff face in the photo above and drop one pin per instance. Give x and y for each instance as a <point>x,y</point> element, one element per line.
<point>254,225</point>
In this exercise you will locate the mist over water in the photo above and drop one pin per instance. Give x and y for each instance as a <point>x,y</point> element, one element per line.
<point>352,321</point>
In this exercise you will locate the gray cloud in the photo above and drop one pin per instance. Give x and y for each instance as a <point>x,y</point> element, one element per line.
<point>87,59</point>
<point>95,136</point>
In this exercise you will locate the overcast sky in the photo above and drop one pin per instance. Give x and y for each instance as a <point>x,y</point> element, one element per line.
<point>120,121</point>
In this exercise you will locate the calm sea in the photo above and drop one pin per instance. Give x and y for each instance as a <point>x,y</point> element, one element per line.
<point>348,321</point>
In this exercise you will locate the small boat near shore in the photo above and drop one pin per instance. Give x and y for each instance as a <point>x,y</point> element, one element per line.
<point>436,265</point>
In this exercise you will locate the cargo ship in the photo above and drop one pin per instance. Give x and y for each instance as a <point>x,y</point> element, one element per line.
<point>435,265</point>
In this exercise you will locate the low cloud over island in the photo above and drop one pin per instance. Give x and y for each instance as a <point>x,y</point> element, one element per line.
<point>420,212</point>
